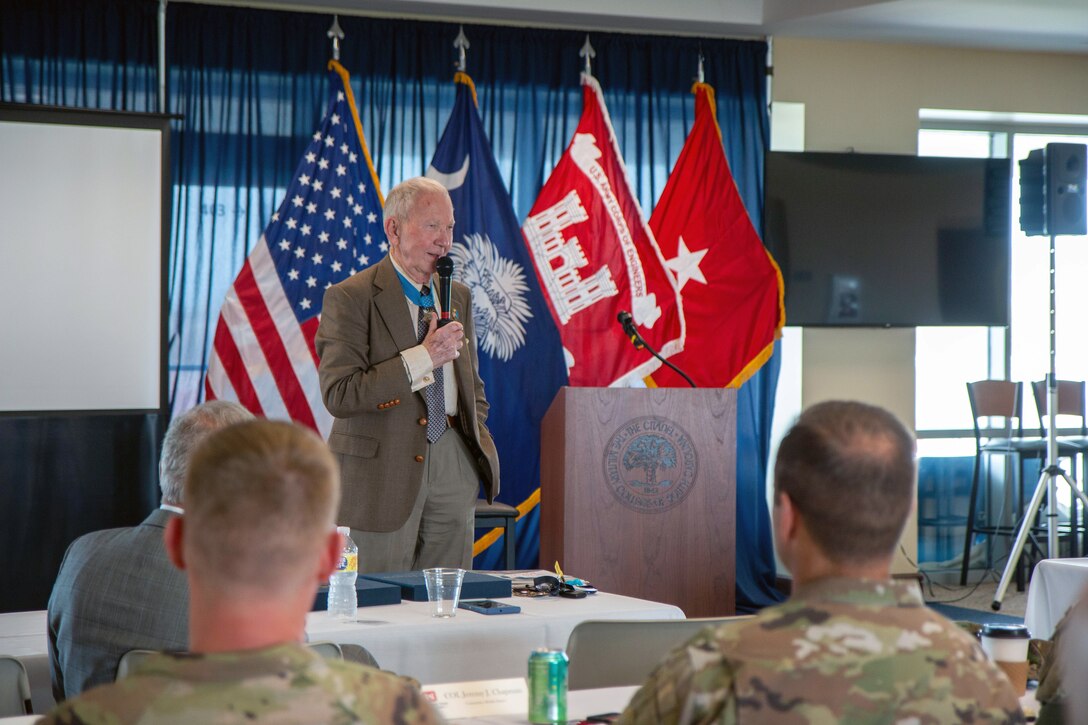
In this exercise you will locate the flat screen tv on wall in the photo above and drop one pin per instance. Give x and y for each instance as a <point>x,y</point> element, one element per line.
<point>874,240</point>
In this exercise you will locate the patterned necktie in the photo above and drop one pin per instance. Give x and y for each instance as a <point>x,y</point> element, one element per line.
<point>435,393</point>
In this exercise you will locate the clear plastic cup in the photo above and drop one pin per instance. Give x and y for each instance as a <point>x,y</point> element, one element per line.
<point>443,590</point>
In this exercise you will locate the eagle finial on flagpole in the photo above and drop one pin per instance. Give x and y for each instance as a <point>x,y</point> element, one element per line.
<point>699,74</point>
<point>588,53</point>
<point>337,34</point>
<point>462,44</point>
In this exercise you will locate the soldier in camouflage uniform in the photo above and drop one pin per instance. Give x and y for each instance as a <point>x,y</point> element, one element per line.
<point>257,538</point>
<point>851,645</point>
<point>1061,695</point>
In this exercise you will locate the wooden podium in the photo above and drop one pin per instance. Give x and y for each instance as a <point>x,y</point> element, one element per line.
<point>637,493</point>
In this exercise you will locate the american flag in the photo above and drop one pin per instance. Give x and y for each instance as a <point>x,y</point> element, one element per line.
<point>327,228</point>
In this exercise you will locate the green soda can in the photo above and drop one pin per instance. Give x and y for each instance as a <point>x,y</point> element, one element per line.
<point>548,686</point>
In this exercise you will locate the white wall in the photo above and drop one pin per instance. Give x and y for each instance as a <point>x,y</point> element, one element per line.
<point>866,96</point>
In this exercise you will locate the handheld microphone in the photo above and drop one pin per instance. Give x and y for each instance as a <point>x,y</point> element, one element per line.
<point>444,267</point>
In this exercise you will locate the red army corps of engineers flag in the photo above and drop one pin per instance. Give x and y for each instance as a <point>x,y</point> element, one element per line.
<point>595,256</point>
<point>731,287</point>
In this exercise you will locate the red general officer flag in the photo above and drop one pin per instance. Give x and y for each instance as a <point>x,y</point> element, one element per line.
<point>731,287</point>
<point>595,256</point>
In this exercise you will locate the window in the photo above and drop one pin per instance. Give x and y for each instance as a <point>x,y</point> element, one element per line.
<point>949,357</point>
<point>1029,343</point>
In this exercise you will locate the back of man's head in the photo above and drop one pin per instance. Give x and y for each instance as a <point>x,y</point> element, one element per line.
<point>182,437</point>
<point>260,503</point>
<point>848,469</point>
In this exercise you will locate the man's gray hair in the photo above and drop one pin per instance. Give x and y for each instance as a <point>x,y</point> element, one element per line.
<point>399,202</point>
<point>182,437</point>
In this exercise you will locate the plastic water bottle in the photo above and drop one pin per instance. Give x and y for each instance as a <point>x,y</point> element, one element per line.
<point>342,597</point>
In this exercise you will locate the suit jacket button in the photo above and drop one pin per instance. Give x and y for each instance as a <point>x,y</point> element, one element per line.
<point>419,459</point>
<point>423,421</point>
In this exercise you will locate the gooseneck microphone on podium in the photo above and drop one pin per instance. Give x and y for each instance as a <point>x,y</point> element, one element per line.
<point>444,267</point>
<point>628,325</point>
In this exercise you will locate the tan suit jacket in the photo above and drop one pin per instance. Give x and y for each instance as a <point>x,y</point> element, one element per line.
<point>379,433</point>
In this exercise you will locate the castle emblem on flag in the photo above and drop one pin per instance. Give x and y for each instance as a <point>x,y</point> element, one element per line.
<point>560,258</point>
<point>499,295</point>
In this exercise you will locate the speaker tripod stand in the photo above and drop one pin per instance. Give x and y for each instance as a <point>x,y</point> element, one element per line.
<point>1051,473</point>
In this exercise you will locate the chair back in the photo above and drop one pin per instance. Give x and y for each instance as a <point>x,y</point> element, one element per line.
<point>328,650</point>
<point>359,655</point>
<point>613,653</point>
<point>135,657</point>
<point>1070,402</point>
<point>131,660</point>
<point>996,399</point>
<point>14,688</point>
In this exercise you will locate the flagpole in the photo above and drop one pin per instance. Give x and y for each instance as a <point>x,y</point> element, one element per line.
<point>588,53</point>
<point>336,33</point>
<point>461,44</point>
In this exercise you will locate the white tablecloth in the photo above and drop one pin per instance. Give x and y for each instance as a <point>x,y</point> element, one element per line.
<point>1055,585</point>
<point>403,637</point>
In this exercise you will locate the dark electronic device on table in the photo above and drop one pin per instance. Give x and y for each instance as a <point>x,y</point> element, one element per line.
<point>488,606</point>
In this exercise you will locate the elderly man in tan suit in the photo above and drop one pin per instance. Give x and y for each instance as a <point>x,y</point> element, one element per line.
<point>410,410</point>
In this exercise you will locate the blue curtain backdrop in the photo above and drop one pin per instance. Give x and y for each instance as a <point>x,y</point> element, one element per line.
<point>250,85</point>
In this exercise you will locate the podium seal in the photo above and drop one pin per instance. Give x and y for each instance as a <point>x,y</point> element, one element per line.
<point>650,464</point>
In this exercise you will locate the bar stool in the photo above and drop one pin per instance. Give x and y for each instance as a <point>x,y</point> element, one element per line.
<point>1071,405</point>
<point>491,515</point>
<point>997,399</point>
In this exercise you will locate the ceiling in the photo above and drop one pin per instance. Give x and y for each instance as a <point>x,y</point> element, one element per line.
<point>1040,25</point>
<point>1029,25</point>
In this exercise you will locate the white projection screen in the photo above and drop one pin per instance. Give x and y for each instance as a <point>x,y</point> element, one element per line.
<point>82,229</point>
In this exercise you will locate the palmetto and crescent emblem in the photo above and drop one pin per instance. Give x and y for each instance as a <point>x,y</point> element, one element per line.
<point>499,304</point>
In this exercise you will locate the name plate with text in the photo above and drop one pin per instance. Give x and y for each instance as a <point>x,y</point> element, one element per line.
<point>478,699</point>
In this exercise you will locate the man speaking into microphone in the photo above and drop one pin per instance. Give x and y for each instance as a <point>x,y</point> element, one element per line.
<point>406,394</point>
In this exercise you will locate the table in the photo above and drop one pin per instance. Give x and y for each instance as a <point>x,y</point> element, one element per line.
<point>469,646</point>
<point>474,646</point>
<point>580,704</point>
<point>1055,585</point>
<point>23,635</point>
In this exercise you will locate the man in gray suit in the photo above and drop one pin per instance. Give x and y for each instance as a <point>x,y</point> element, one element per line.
<point>409,430</point>
<point>116,589</point>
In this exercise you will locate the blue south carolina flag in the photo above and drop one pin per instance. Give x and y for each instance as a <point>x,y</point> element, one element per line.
<point>521,357</point>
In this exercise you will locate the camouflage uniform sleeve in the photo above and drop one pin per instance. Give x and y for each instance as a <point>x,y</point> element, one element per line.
<point>692,685</point>
<point>305,690</point>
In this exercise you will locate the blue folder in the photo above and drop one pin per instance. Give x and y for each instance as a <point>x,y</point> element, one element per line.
<point>474,586</point>
<point>369,592</point>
